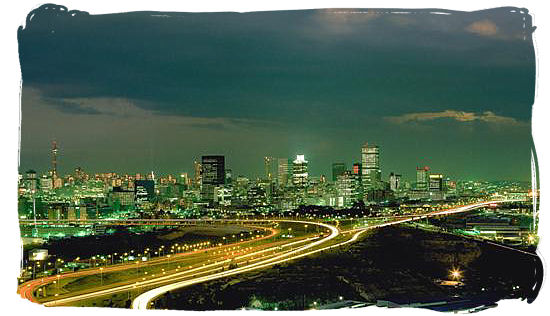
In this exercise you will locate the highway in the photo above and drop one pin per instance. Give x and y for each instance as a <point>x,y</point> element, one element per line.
<point>28,289</point>
<point>216,263</point>
<point>144,300</point>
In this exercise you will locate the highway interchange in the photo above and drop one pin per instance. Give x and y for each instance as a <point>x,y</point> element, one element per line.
<point>193,267</point>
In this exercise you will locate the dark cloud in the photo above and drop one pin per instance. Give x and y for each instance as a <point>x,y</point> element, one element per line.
<point>71,107</point>
<point>290,81</point>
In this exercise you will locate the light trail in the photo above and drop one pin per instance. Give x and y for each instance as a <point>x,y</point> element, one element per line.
<point>191,272</point>
<point>27,289</point>
<point>143,300</point>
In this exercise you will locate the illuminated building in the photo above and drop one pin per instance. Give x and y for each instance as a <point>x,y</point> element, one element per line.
<point>450,187</point>
<point>31,182</point>
<point>299,171</point>
<point>123,197</point>
<point>371,174</point>
<point>222,195</point>
<point>338,169</point>
<point>144,190</point>
<point>268,168</point>
<point>184,178</point>
<point>395,182</point>
<point>82,213</point>
<point>71,213</point>
<point>212,175</point>
<point>422,178</point>
<point>346,189</point>
<point>283,171</point>
<point>436,182</point>
<point>198,170</point>
<point>46,183</point>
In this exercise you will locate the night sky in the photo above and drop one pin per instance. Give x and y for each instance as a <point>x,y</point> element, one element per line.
<point>136,92</point>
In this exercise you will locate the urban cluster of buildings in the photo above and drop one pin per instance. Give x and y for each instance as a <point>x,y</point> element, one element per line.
<point>286,184</point>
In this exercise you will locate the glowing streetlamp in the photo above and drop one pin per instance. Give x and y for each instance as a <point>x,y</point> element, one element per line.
<point>455,274</point>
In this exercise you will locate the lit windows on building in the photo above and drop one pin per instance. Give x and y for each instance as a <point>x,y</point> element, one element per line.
<point>299,171</point>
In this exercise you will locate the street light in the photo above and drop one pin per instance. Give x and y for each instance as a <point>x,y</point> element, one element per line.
<point>455,274</point>
<point>101,275</point>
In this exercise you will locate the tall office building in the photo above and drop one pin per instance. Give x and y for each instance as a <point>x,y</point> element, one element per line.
<point>31,181</point>
<point>338,169</point>
<point>436,182</point>
<point>299,171</point>
<point>422,178</point>
<point>144,190</point>
<point>197,177</point>
<point>212,175</point>
<point>395,182</point>
<point>357,181</point>
<point>268,168</point>
<point>283,171</point>
<point>370,159</point>
<point>345,187</point>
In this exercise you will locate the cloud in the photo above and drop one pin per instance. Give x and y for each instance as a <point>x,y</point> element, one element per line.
<point>339,21</point>
<point>100,108</point>
<point>459,116</point>
<point>71,107</point>
<point>483,28</point>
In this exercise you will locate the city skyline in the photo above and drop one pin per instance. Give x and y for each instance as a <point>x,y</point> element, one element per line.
<point>456,91</point>
<point>409,175</point>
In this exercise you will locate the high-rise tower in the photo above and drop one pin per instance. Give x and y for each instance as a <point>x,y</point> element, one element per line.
<point>212,175</point>
<point>268,161</point>
<point>283,171</point>
<point>54,159</point>
<point>422,176</point>
<point>299,171</point>
<point>370,163</point>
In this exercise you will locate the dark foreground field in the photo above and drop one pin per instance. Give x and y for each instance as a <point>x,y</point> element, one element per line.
<point>403,265</point>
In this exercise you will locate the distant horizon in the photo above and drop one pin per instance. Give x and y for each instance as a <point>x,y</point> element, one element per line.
<point>190,171</point>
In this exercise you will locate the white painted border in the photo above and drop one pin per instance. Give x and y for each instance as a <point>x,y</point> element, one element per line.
<point>14,14</point>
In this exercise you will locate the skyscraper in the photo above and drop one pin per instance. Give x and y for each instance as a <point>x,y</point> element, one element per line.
<point>422,178</point>
<point>436,182</point>
<point>346,189</point>
<point>144,190</point>
<point>395,182</point>
<point>268,171</point>
<point>338,169</point>
<point>370,158</point>
<point>31,181</point>
<point>213,174</point>
<point>197,178</point>
<point>282,171</point>
<point>299,171</point>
